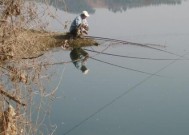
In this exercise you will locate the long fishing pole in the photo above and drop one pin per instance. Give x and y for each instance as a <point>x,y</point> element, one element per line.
<point>139,71</point>
<point>122,41</point>
<point>131,43</point>
<point>130,57</point>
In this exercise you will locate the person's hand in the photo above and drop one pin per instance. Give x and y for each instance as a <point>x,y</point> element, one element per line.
<point>85,27</point>
<point>85,32</point>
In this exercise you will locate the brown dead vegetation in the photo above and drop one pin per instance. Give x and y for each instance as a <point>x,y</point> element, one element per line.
<point>31,43</point>
<point>20,79</point>
<point>7,122</point>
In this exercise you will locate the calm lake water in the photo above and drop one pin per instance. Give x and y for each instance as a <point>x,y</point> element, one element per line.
<point>111,100</point>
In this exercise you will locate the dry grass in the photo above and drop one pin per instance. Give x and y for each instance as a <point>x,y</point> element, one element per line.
<point>32,43</point>
<point>23,80</point>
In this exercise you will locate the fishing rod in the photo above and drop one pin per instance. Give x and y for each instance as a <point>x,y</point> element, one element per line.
<point>126,42</point>
<point>131,57</point>
<point>132,43</point>
<point>139,71</point>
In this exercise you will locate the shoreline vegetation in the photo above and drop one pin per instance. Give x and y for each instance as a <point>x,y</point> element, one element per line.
<point>21,81</point>
<point>32,44</point>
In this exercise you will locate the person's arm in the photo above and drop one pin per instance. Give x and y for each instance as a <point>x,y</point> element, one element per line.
<point>86,57</point>
<point>85,25</point>
<point>78,21</point>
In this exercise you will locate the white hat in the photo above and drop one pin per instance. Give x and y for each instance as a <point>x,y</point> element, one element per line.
<point>84,69</point>
<point>86,72</point>
<point>85,13</point>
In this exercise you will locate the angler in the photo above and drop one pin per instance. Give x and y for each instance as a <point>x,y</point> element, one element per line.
<point>79,26</point>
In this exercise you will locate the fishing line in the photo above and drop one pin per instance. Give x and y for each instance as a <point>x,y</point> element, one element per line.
<point>122,41</point>
<point>119,97</point>
<point>130,57</point>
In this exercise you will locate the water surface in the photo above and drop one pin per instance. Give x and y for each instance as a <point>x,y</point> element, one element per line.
<point>113,101</point>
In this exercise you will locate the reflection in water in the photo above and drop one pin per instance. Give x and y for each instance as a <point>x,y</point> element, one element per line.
<point>123,5</point>
<point>76,6</point>
<point>73,6</point>
<point>79,58</point>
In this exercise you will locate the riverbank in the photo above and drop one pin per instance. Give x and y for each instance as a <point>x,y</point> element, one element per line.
<point>28,44</point>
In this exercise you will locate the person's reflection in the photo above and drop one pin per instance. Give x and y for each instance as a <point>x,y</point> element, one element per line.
<point>79,58</point>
